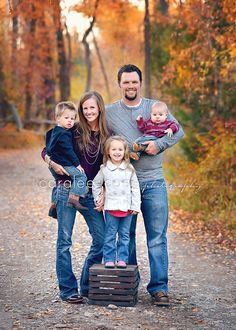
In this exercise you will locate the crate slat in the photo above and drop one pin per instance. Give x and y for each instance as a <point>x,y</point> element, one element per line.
<point>113,285</point>
<point>123,279</point>
<point>111,297</point>
<point>114,291</point>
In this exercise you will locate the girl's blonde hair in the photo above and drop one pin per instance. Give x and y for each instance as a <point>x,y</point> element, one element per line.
<point>83,130</point>
<point>106,155</point>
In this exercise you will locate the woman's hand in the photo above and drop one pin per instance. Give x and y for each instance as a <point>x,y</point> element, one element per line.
<point>133,212</point>
<point>80,168</point>
<point>58,168</point>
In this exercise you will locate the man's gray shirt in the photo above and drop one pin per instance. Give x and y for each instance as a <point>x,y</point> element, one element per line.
<point>122,121</point>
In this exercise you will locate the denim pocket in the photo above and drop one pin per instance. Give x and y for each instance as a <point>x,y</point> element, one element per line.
<point>62,193</point>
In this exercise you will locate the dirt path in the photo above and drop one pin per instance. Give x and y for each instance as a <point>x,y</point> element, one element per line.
<point>202,285</point>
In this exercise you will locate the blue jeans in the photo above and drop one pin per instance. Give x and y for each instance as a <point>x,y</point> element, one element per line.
<point>66,218</point>
<point>142,139</point>
<point>154,208</point>
<point>121,226</point>
<point>79,180</point>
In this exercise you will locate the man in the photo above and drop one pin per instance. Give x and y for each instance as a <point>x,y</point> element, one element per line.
<point>121,117</point>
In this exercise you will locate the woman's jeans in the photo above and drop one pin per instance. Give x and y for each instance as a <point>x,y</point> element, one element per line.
<point>66,217</point>
<point>154,208</point>
<point>111,250</point>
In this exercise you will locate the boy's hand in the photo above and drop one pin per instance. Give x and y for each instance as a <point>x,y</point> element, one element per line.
<point>169,131</point>
<point>139,117</point>
<point>80,168</point>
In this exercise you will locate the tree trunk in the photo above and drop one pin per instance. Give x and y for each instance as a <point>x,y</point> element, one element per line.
<point>164,7</point>
<point>147,52</point>
<point>102,67</point>
<point>48,78</point>
<point>64,80</point>
<point>3,98</point>
<point>69,57</point>
<point>87,54</point>
<point>28,87</point>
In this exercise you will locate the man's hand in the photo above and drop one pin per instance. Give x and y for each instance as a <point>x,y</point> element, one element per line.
<point>151,148</point>
<point>169,132</point>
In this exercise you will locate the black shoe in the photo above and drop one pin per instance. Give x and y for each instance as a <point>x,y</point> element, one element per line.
<point>160,299</point>
<point>84,294</point>
<point>75,299</point>
<point>52,211</point>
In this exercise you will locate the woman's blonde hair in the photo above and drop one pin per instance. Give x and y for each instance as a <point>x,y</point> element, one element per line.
<point>106,156</point>
<point>83,130</point>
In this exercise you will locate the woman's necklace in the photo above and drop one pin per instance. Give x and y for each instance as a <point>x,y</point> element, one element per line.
<point>92,154</point>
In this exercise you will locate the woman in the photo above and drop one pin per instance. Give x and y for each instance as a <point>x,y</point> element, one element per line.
<point>89,138</point>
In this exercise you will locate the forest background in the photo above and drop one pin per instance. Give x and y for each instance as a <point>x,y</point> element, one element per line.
<point>55,50</point>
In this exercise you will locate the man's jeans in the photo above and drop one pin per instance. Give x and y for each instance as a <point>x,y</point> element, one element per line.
<point>121,226</point>
<point>66,218</point>
<point>155,213</point>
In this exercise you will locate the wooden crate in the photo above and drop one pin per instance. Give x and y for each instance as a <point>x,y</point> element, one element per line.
<point>113,285</point>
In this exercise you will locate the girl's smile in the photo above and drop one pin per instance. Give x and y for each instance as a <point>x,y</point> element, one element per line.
<point>116,152</point>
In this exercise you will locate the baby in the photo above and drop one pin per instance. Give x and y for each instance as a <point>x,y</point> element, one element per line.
<point>153,128</point>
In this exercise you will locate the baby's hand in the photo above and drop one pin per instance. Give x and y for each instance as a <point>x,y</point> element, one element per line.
<point>139,117</point>
<point>169,131</point>
<point>80,168</point>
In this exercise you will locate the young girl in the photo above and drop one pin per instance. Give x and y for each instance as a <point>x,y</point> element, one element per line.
<point>122,200</point>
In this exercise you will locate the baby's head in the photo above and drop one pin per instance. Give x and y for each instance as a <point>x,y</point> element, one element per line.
<point>66,114</point>
<point>159,112</point>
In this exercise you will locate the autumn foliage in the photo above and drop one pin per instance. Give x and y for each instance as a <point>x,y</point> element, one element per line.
<point>208,187</point>
<point>192,50</point>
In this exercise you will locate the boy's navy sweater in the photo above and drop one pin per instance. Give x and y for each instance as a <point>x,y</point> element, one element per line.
<point>59,146</point>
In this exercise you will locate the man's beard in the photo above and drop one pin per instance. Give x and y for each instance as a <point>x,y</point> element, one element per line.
<point>131,98</point>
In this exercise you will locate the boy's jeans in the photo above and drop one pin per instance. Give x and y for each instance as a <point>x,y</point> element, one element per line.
<point>154,208</point>
<point>79,180</point>
<point>121,226</point>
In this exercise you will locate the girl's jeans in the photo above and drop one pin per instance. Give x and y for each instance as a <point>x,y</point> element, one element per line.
<point>66,218</point>
<point>114,225</point>
<point>154,208</point>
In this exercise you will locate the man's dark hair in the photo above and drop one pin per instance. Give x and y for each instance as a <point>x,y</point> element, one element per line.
<point>129,68</point>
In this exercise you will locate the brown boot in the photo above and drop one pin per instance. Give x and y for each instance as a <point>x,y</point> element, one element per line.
<point>72,202</point>
<point>134,155</point>
<point>137,147</point>
<point>160,299</point>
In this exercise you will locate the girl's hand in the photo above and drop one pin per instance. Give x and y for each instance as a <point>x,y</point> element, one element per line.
<point>133,212</point>
<point>139,117</point>
<point>169,131</point>
<point>80,168</point>
<point>58,168</point>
